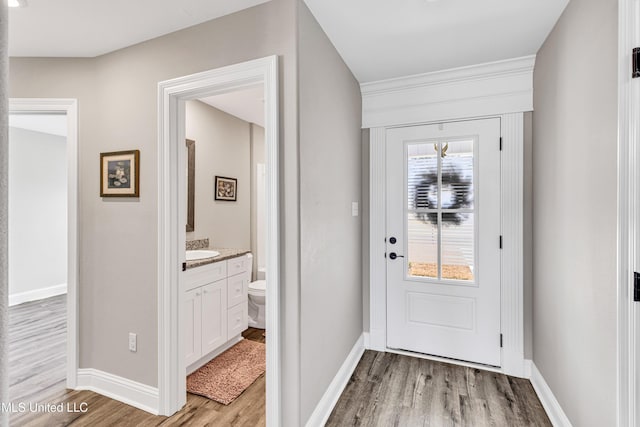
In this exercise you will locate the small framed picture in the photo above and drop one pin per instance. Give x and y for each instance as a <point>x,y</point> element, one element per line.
<point>119,174</point>
<point>226,188</point>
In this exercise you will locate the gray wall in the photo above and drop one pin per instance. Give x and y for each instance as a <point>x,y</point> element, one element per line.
<point>574,211</point>
<point>117,96</point>
<point>330,179</point>
<point>37,210</point>
<point>223,148</point>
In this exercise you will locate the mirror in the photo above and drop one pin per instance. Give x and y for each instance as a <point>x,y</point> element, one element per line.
<point>191,177</point>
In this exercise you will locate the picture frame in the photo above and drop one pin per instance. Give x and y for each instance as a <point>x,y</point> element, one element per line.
<point>120,174</point>
<point>225,189</point>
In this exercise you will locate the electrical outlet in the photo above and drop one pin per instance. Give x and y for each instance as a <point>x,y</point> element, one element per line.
<point>354,209</point>
<point>133,342</point>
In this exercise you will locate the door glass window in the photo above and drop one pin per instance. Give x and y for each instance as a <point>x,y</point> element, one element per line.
<point>441,219</point>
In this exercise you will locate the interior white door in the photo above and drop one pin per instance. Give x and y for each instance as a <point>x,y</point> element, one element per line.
<point>443,240</point>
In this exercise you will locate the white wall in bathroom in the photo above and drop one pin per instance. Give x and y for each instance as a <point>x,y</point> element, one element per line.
<point>257,198</point>
<point>223,148</point>
<point>37,214</point>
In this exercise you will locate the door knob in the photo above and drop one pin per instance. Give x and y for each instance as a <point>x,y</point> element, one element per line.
<point>393,255</point>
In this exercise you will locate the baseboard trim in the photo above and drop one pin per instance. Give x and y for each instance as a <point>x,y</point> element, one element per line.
<point>124,390</point>
<point>37,294</point>
<point>324,407</point>
<point>549,402</point>
<point>528,363</point>
<point>377,340</point>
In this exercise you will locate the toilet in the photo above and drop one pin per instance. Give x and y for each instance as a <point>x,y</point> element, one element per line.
<point>257,299</point>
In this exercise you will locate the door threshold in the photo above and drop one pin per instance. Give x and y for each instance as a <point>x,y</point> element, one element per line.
<point>466,364</point>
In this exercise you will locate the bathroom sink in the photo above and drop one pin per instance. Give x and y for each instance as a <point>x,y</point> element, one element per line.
<point>201,254</point>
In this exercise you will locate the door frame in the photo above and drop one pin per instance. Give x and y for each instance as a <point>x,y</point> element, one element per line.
<point>172,95</point>
<point>512,268</point>
<point>628,211</point>
<point>70,108</point>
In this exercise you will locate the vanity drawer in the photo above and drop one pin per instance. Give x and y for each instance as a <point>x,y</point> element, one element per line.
<point>236,320</point>
<point>237,265</point>
<point>237,289</point>
<point>204,274</point>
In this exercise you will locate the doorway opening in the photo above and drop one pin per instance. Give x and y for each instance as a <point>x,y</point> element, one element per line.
<point>43,205</point>
<point>172,235</point>
<point>225,279</point>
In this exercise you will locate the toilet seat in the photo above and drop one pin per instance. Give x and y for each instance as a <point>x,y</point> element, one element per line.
<point>259,287</point>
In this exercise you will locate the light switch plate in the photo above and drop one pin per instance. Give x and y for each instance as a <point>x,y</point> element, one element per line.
<point>133,342</point>
<point>354,209</point>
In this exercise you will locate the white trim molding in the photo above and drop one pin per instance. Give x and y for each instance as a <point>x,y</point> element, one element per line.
<point>628,413</point>
<point>37,294</point>
<point>70,108</point>
<point>512,267</point>
<point>549,402</point>
<point>528,366</point>
<point>124,390</point>
<point>377,235</point>
<point>480,90</point>
<point>512,220</point>
<point>330,397</point>
<point>172,95</point>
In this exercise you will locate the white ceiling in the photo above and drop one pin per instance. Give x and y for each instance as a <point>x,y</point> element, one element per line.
<point>382,39</point>
<point>246,104</point>
<point>88,28</point>
<point>378,39</point>
<point>54,124</point>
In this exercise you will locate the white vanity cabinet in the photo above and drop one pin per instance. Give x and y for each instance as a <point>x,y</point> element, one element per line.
<point>192,325</point>
<point>214,309</point>
<point>214,321</point>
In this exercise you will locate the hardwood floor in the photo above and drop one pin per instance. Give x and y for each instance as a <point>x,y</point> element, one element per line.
<point>388,389</point>
<point>37,356</point>
<point>37,348</point>
<point>385,390</point>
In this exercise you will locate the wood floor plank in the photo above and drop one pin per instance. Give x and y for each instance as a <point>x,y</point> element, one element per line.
<point>37,373</point>
<point>388,389</point>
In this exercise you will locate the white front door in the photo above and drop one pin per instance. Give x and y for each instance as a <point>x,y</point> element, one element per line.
<point>443,240</point>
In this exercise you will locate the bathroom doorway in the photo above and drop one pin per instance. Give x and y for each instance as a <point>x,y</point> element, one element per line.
<point>43,205</point>
<point>173,97</point>
<point>224,286</point>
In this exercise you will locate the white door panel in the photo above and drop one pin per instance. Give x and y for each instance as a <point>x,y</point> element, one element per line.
<point>192,321</point>
<point>443,212</point>
<point>214,319</point>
